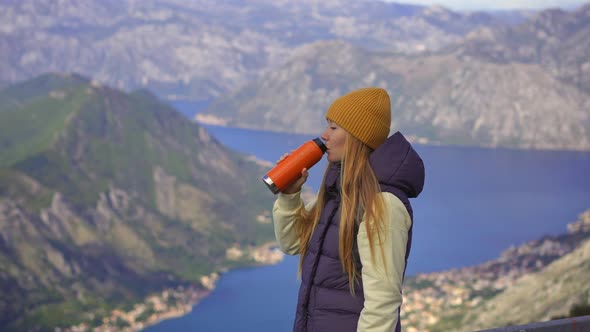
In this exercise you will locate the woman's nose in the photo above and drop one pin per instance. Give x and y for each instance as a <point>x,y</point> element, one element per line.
<point>324,135</point>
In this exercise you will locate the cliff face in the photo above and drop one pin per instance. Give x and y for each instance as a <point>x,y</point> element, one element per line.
<point>106,197</point>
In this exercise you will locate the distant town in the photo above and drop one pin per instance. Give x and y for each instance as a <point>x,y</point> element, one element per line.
<point>454,292</point>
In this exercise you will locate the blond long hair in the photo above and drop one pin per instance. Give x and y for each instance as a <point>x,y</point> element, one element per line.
<point>359,196</point>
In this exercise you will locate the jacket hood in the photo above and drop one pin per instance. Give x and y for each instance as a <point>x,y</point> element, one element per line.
<point>396,164</point>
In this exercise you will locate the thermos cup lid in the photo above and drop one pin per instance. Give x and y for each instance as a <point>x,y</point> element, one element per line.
<point>320,144</point>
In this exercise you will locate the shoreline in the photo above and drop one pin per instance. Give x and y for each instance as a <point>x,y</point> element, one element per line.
<point>177,302</point>
<point>413,139</point>
<point>429,295</point>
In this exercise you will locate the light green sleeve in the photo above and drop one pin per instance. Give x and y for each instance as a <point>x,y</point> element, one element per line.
<point>382,279</point>
<point>284,216</point>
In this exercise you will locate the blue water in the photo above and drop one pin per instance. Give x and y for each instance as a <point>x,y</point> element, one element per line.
<point>252,299</point>
<point>190,108</point>
<point>476,203</point>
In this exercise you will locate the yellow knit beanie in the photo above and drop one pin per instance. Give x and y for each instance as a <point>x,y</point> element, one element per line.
<point>363,113</point>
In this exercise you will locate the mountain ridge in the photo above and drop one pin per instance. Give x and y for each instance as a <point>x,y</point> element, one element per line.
<point>191,50</point>
<point>554,39</point>
<point>122,198</point>
<point>446,97</point>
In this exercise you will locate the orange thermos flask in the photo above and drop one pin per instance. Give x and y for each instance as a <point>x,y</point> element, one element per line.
<point>289,170</point>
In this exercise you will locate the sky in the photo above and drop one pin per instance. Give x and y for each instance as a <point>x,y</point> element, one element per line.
<point>498,4</point>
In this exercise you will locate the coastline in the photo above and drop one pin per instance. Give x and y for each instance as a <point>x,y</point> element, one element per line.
<point>177,302</point>
<point>430,298</point>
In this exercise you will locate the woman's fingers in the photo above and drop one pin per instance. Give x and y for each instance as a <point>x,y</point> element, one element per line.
<point>296,186</point>
<point>304,173</point>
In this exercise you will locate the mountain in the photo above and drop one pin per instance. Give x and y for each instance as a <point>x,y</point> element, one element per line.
<point>555,39</point>
<point>540,296</point>
<point>444,97</point>
<point>107,197</point>
<point>533,282</point>
<point>201,49</point>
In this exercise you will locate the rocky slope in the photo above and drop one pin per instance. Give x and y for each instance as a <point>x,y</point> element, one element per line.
<point>533,282</point>
<point>201,49</point>
<point>107,197</point>
<point>448,97</point>
<point>540,296</point>
<point>555,39</point>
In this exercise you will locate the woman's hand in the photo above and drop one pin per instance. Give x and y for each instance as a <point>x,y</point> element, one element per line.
<point>296,186</point>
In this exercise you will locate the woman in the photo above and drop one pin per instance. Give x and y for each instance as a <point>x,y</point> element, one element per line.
<point>355,238</point>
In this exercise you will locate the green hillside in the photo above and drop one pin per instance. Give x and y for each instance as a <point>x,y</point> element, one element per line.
<point>106,197</point>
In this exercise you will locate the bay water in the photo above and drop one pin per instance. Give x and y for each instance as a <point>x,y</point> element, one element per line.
<point>476,203</point>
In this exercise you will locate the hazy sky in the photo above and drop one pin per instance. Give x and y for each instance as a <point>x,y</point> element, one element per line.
<point>499,4</point>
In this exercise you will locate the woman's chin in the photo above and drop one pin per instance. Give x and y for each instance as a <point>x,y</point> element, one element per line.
<point>331,159</point>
